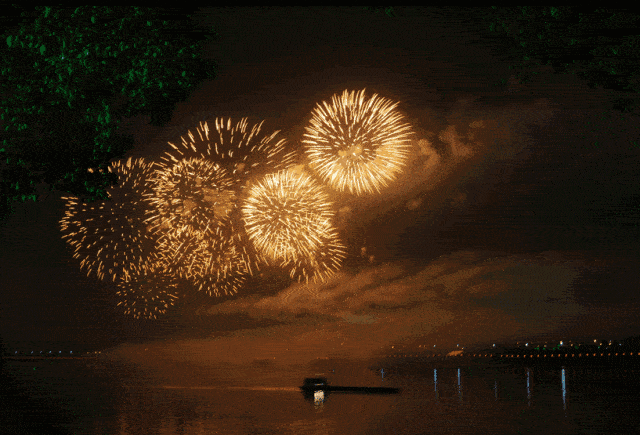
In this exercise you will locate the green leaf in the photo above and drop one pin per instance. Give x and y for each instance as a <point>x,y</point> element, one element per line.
<point>42,49</point>
<point>9,40</point>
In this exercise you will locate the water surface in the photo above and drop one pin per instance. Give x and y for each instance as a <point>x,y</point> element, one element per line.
<point>98,397</point>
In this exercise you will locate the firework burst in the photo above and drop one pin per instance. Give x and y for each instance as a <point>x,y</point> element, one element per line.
<point>111,237</point>
<point>214,261</point>
<point>322,263</point>
<point>219,269</point>
<point>148,294</point>
<point>288,219</point>
<point>239,147</point>
<point>192,195</point>
<point>357,144</point>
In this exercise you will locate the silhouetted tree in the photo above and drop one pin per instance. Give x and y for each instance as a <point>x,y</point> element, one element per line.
<point>388,10</point>
<point>69,76</point>
<point>599,45</point>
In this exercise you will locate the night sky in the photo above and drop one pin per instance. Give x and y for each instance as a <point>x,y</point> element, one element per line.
<point>515,218</point>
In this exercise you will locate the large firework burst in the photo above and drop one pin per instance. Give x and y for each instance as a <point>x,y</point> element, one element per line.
<point>194,217</point>
<point>192,195</point>
<point>241,148</point>
<point>288,218</point>
<point>357,144</point>
<point>111,237</point>
<point>150,292</point>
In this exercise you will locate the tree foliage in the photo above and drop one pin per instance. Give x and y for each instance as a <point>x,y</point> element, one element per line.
<point>69,76</point>
<point>599,45</point>
<point>388,10</point>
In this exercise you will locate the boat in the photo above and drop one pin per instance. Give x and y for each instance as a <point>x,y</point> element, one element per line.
<point>312,385</point>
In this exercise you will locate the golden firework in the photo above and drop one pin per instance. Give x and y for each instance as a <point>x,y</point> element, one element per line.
<point>110,237</point>
<point>214,261</point>
<point>357,144</point>
<point>148,294</point>
<point>134,181</point>
<point>321,264</point>
<point>241,148</point>
<point>288,218</point>
<point>193,195</point>
<point>220,270</point>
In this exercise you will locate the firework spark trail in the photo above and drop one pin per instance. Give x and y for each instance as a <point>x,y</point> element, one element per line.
<point>244,151</point>
<point>110,237</point>
<point>194,217</point>
<point>221,271</point>
<point>288,218</point>
<point>241,148</point>
<point>148,294</point>
<point>191,195</point>
<point>321,264</point>
<point>212,261</point>
<point>357,144</point>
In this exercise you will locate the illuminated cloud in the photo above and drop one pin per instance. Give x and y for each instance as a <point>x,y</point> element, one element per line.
<point>465,296</point>
<point>425,146</point>
<point>453,164</point>
<point>453,139</point>
<point>414,203</point>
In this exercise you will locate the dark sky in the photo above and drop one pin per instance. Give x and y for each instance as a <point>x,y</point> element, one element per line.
<point>516,216</point>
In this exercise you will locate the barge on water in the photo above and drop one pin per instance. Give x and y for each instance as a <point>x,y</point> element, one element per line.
<point>311,386</point>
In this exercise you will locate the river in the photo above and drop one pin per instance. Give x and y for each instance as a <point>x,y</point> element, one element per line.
<point>93,396</point>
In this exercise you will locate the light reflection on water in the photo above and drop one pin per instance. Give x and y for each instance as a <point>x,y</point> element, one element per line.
<point>475,399</point>
<point>564,392</point>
